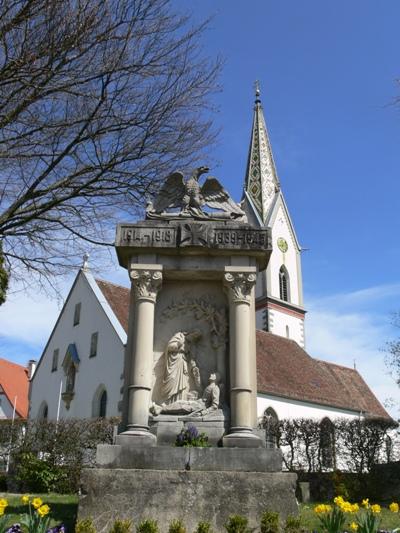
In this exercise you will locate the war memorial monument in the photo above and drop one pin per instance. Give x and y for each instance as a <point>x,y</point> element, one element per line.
<point>190,361</point>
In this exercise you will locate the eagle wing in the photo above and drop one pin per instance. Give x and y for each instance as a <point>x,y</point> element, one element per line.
<point>171,193</point>
<point>216,197</point>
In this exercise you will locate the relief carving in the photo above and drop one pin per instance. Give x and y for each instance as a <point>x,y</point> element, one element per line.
<point>203,310</point>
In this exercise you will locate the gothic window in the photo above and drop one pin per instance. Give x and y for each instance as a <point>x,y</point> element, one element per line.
<point>284,293</point>
<point>77,314</point>
<point>103,404</point>
<point>287,332</point>
<point>54,363</point>
<point>327,443</point>
<point>43,411</point>
<point>270,424</point>
<point>99,402</point>
<point>93,344</point>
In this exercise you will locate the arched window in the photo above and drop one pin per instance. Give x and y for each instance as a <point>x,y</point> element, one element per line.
<point>99,402</point>
<point>284,292</point>
<point>43,411</point>
<point>270,424</point>
<point>103,404</point>
<point>327,443</point>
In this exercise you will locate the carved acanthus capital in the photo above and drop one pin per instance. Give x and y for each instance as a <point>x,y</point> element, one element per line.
<point>239,286</point>
<point>146,283</point>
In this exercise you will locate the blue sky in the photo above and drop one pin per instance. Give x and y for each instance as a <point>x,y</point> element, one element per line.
<point>328,82</point>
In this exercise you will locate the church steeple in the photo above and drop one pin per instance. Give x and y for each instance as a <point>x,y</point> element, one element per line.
<point>262,182</point>
<point>279,292</point>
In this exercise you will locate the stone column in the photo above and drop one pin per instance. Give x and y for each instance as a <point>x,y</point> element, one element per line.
<point>239,283</point>
<point>146,281</point>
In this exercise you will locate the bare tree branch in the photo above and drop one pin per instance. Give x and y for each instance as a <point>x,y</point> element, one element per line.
<point>99,100</point>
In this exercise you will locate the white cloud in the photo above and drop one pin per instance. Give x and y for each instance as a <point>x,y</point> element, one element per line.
<point>352,328</point>
<point>28,318</point>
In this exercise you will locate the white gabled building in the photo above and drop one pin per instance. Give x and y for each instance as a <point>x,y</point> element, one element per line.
<point>83,356</point>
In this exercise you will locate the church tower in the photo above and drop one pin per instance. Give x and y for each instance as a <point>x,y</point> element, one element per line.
<point>279,291</point>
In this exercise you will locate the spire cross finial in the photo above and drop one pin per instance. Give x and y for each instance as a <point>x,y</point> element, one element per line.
<point>257,89</point>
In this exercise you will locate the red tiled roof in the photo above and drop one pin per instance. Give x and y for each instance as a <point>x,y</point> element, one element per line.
<point>118,299</point>
<point>14,382</point>
<point>285,369</point>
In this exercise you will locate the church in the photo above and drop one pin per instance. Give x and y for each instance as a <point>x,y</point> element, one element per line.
<point>81,371</point>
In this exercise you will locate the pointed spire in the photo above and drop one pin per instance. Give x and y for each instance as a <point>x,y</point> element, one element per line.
<point>262,182</point>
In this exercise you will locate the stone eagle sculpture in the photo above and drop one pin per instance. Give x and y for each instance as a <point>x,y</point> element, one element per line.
<point>189,197</point>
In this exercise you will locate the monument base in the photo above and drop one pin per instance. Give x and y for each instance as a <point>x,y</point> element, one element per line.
<point>193,496</point>
<point>181,458</point>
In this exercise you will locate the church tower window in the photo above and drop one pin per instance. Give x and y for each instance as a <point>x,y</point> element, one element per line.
<point>284,284</point>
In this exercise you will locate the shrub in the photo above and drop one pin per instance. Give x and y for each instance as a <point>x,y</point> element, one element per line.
<point>56,451</point>
<point>36,475</point>
<point>269,522</point>
<point>190,437</point>
<point>122,526</point>
<point>147,526</point>
<point>85,526</point>
<point>203,527</point>
<point>176,526</point>
<point>292,525</point>
<point>237,524</point>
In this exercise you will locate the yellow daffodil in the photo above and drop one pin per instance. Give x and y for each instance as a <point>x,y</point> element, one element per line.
<point>376,509</point>
<point>37,502</point>
<point>338,500</point>
<point>353,526</point>
<point>322,508</point>
<point>43,510</point>
<point>365,503</point>
<point>25,499</point>
<point>394,507</point>
<point>355,508</point>
<point>3,503</point>
<point>2,509</point>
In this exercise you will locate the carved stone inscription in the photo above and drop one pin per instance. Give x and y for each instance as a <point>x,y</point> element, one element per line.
<point>199,234</point>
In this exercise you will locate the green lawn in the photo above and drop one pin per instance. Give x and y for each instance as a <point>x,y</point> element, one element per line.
<point>63,508</point>
<point>309,520</point>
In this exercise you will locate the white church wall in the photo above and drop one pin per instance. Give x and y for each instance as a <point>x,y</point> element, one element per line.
<point>288,408</point>
<point>103,369</point>
<point>6,408</point>
<point>286,325</point>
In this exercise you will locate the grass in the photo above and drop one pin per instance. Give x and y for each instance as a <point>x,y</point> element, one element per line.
<point>310,522</point>
<point>64,508</point>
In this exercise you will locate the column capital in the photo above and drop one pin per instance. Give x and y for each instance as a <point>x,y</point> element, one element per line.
<point>146,281</point>
<point>239,285</point>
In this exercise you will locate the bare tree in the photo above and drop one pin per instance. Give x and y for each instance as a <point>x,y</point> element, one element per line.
<point>99,100</point>
<point>392,358</point>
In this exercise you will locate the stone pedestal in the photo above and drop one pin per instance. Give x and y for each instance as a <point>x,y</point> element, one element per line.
<point>192,496</point>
